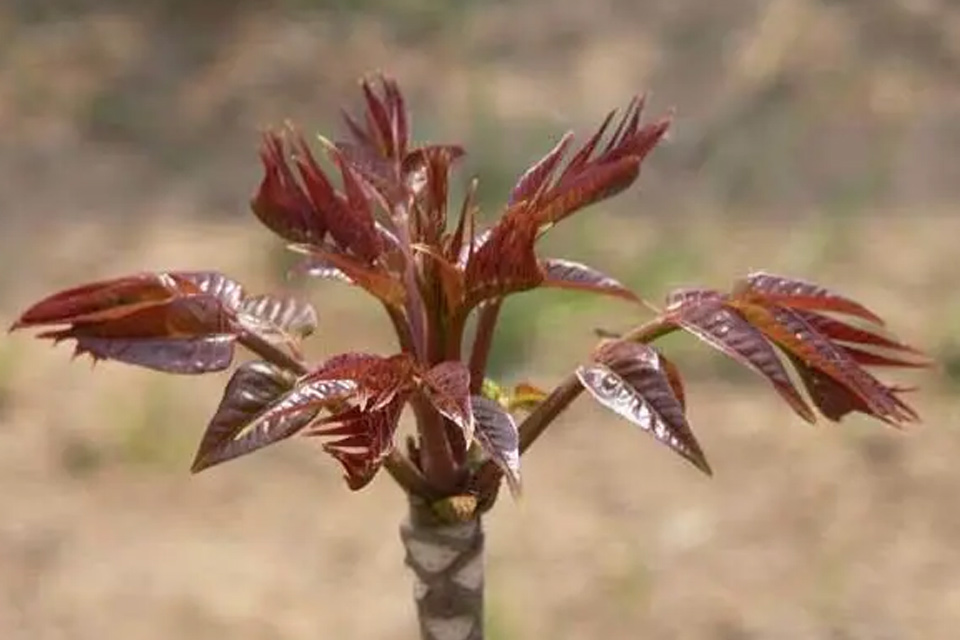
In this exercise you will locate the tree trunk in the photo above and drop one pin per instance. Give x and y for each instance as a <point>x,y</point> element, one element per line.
<point>447,562</point>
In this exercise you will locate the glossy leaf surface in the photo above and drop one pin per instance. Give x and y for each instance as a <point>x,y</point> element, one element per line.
<point>497,434</point>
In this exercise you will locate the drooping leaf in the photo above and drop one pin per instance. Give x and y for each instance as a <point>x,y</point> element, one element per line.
<point>447,386</point>
<point>189,356</point>
<point>534,179</point>
<point>506,262</point>
<point>254,387</point>
<point>280,203</point>
<point>567,274</point>
<point>364,438</point>
<point>674,378</point>
<point>797,337</point>
<point>278,317</point>
<point>767,289</point>
<point>497,434</point>
<point>710,319</point>
<point>653,407</point>
<point>835,399</point>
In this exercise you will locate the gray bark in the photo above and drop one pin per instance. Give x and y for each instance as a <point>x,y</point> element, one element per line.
<point>447,562</point>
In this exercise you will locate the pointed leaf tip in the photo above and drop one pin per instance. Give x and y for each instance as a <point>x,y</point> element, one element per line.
<point>630,380</point>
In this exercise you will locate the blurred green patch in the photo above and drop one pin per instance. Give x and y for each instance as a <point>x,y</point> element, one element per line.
<point>149,426</point>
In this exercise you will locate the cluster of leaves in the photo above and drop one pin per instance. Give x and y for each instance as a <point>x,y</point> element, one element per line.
<point>382,223</point>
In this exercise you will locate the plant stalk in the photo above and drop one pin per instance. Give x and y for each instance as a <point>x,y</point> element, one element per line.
<point>447,562</point>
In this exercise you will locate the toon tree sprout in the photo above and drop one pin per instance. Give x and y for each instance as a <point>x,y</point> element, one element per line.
<point>385,224</point>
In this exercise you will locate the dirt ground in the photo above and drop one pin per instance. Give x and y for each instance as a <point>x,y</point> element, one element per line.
<point>823,149</point>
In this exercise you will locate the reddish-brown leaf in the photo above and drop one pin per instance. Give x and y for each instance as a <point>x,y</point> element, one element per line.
<point>280,202</point>
<point>447,386</point>
<point>378,282</point>
<point>537,177</point>
<point>674,378</point>
<point>363,440</point>
<point>497,434</point>
<point>767,288</point>
<point>867,358</point>
<point>254,387</point>
<point>351,225</point>
<point>506,262</point>
<point>567,274</point>
<point>105,300</point>
<point>835,399</point>
<point>794,335</point>
<point>843,332</point>
<point>189,356</point>
<point>691,296</point>
<point>378,379</point>
<point>648,401</point>
<point>711,320</point>
<point>593,184</point>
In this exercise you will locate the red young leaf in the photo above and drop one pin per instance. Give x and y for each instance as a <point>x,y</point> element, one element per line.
<point>506,262</point>
<point>447,386</point>
<point>674,378</point>
<point>835,400</point>
<point>708,318</point>
<point>594,184</point>
<point>188,334</point>
<point>692,296</point>
<point>867,358</point>
<point>108,299</point>
<point>498,437</point>
<point>254,387</point>
<point>364,440</point>
<point>378,380</point>
<point>766,289</point>
<point>567,274</point>
<point>378,282</point>
<point>843,332</point>
<point>352,225</point>
<point>652,406</point>
<point>280,202</point>
<point>794,335</point>
<point>206,354</point>
<point>538,176</point>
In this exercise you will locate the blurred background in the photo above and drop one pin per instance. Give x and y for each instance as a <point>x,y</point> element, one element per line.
<point>816,138</point>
